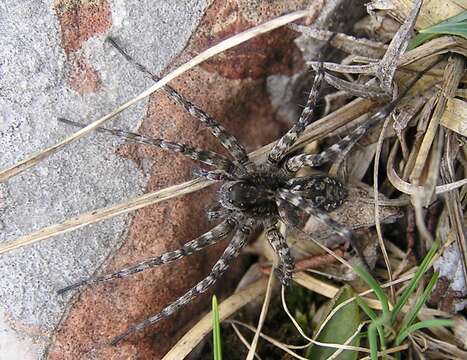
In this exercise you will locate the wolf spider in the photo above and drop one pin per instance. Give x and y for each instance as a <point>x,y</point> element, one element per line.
<point>252,196</point>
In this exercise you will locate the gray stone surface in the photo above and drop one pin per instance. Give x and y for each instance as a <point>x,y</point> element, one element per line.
<point>87,174</point>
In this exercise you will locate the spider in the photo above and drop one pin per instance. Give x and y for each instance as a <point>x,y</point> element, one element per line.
<point>252,196</point>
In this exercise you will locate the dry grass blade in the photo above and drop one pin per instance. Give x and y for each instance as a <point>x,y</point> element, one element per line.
<point>347,43</point>
<point>453,202</point>
<point>450,350</point>
<point>312,341</point>
<point>271,340</point>
<point>226,308</point>
<point>242,338</point>
<point>376,198</point>
<point>262,316</point>
<point>417,201</point>
<point>214,50</point>
<point>326,289</point>
<point>453,73</point>
<point>359,90</point>
<point>388,64</point>
<point>317,243</point>
<point>432,12</point>
<point>437,46</point>
<point>455,116</point>
<point>434,47</point>
<point>315,285</point>
<point>105,213</point>
<point>344,68</point>
<point>393,350</point>
<point>408,188</point>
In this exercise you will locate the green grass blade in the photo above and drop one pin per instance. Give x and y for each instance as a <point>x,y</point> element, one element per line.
<point>373,341</point>
<point>456,25</point>
<point>412,314</point>
<point>420,39</point>
<point>459,29</point>
<point>402,300</point>
<point>216,330</point>
<point>456,18</point>
<point>422,325</point>
<point>375,320</point>
<point>368,311</point>
<point>376,326</point>
<point>370,280</point>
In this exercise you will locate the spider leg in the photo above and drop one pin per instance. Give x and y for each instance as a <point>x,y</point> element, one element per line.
<point>218,212</point>
<point>284,271</point>
<point>295,163</point>
<point>205,156</point>
<point>289,214</point>
<point>229,141</point>
<point>307,206</point>
<point>211,237</point>
<point>288,140</point>
<point>345,144</point>
<point>230,253</point>
<point>216,175</point>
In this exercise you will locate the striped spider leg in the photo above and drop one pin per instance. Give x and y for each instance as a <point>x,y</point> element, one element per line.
<point>243,227</point>
<point>285,268</point>
<point>230,142</point>
<point>296,162</point>
<point>212,237</point>
<point>310,208</point>
<point>240,238</point>
<point>208,157</point>
<point>284,144</point>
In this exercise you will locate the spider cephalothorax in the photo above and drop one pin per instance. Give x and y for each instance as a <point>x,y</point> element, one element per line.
<point>253,192</point>
<point>252,196</point>
<point>242,195</point>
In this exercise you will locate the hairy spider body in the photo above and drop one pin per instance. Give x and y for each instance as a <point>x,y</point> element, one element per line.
<point>252,196</point>
<point>253,192</point>
<point>256,194</point>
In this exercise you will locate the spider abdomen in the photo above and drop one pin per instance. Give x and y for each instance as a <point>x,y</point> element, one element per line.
<point>325,192</point>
